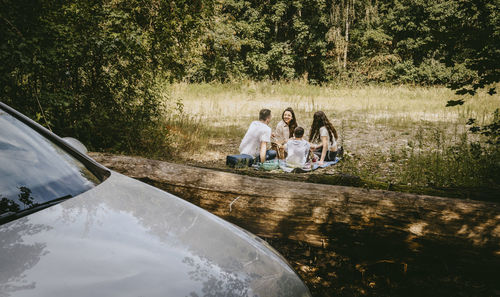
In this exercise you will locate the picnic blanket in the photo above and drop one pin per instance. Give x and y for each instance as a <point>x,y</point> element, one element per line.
<point>281,164</point>
<point>308,167</point>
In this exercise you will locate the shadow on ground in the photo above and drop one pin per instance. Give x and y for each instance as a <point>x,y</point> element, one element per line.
<point>376,269</point>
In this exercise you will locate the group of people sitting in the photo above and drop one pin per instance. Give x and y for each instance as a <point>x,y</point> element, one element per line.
<point>288,140</point>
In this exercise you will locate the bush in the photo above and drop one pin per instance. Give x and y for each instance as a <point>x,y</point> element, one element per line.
<point>83,69</point>
<point>429,72</point>
<point>433,160</point>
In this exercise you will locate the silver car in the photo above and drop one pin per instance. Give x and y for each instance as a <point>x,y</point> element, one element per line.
<point>71,227</point>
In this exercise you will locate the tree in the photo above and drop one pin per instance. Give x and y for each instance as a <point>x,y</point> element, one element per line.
<point>471,37</point>
<point>87,68</point>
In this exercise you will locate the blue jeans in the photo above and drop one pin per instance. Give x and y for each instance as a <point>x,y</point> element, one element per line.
<point>270,154</point>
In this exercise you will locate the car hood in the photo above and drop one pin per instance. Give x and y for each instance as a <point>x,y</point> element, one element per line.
<point>126,238</point>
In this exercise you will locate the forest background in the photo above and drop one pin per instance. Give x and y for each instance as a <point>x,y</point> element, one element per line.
<point>108,72</point>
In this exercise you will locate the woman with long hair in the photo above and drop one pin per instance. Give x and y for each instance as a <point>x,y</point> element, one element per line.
<point>323,137</point>
<point>285,128</point>
<point>284,131</point>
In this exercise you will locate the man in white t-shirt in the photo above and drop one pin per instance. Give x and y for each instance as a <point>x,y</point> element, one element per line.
<point>255,141</point>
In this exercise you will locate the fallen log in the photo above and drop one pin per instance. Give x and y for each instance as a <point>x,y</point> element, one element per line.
<point>323,214</point>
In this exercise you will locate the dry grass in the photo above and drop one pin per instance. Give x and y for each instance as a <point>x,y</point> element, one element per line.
<point>235,103</point>
<point>380,126</point>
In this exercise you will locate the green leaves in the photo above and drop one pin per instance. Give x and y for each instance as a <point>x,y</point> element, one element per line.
<point>93,64</point>
<point>89,63</point>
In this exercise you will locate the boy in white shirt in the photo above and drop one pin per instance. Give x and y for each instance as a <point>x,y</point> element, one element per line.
<point>297,148</point>
<point>255,141</point>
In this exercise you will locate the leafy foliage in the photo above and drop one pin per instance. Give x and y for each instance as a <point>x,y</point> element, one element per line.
<point>88,67</point>
<point>490,131</point>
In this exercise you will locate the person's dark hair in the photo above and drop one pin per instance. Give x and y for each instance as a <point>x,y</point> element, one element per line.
<point>298,132</point>
<point>264,114</point>
<point>319,121</point>
<point>293,122</point>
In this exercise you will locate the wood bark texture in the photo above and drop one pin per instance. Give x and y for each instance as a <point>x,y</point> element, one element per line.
<point>322,214</point>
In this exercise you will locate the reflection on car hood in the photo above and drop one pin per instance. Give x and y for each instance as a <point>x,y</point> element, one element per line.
<point>126,238</point>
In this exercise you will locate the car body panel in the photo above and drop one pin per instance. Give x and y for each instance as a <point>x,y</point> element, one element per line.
<point>126,238</point>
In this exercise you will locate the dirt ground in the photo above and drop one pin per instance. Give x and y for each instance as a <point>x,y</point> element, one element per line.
<point>353,269</point>
<point>372,143</point>
<point>360,137</point>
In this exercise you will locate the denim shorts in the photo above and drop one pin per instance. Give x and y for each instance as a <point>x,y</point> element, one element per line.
<point>270,154</point>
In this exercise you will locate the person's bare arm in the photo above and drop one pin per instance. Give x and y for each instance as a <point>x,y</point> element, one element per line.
<point>263,148</point>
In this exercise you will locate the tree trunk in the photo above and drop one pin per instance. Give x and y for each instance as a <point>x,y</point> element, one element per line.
<point>346,33</point>
<point>322,214</point>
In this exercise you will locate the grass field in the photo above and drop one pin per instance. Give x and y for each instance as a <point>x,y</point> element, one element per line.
<point>392,134</point>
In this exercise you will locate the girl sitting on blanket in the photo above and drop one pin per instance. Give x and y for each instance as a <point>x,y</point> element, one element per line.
<point>323,137</point>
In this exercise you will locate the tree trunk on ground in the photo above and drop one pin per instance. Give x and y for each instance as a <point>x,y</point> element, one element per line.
<point>323,214</point>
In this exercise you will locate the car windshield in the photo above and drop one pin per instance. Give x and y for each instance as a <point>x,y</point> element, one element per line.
<point>34,171</point>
